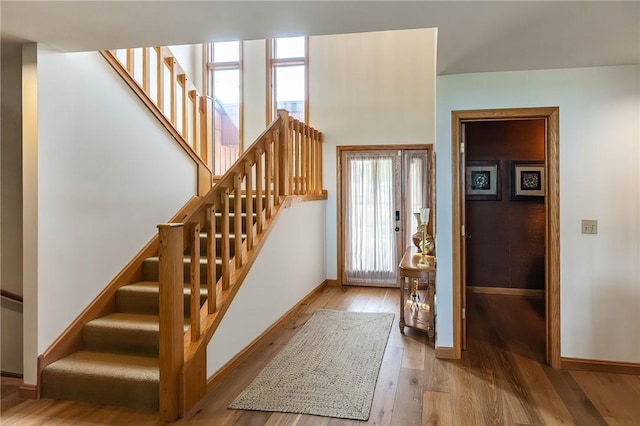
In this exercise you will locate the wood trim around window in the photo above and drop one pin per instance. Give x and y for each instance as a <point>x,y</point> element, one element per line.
<point>206,58</point>
<point>271,64</point>
<point>269,81</point>
<point>306,80</point>
<point>211,67</point>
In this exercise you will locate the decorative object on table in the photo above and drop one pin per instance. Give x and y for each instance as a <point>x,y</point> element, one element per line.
<point>527,180</point>
<point>483,180</point>
<point>329,368</point>
<point>417,292</point>
<point>422,240</point>
<point>415,299</point>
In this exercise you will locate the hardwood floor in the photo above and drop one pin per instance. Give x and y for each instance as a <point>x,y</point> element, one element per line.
<point>499,380</point>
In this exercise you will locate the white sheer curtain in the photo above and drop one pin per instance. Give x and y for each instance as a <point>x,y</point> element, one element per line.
<point>417,190</point>
<point>370,246</point>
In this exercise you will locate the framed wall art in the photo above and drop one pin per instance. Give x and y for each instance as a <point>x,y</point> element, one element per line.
<point>482,180</point>
<point>527,180</point>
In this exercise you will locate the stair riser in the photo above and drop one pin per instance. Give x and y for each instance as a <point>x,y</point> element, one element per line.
<point>101,390</point>
<point>203,246</point>
<point>150,271</point>
<point>232,226</point>
<point>102,339</point>
<point>232,204</point>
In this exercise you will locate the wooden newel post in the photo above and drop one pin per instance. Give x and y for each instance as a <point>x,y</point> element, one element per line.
<point>284,145</point>
<point>171,306</point>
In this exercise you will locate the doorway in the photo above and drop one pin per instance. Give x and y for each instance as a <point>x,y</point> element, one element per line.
<point>504,234</point>
<point>379,187</point>
<point>550,175</point>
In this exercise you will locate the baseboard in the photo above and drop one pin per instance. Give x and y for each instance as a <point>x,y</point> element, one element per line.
<point>600,366</point>
<point>10,374</point>
<point>445,352</point>
<point>226,369</point>
<point>332,283</point>
<point>28,391</point>
<point>506,291</point>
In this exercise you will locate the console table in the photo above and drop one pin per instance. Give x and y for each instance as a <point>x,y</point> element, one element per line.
<point>417,291</point>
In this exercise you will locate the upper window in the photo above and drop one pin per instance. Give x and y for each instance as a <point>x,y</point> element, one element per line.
<point>225,87</point>
<point>288,74</point>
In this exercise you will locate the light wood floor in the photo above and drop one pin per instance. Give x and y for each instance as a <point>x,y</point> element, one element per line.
<point>499,380</point>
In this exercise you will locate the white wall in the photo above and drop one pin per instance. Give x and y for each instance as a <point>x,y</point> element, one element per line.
<point>189,56</point>
<point>255,89</point>
<point>11,204</point>
<point>105,172</point>
<point>289,266</point>
<point>30,212</point>
<point>599,179</point>
<point>369,89</point>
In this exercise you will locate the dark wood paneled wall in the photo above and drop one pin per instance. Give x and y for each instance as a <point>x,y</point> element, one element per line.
<point>506,248</point>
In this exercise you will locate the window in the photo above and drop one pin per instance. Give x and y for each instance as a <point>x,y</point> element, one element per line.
<point>288,77</point>
<point>225,87</point>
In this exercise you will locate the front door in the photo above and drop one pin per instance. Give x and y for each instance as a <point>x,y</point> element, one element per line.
<point>380,188</point>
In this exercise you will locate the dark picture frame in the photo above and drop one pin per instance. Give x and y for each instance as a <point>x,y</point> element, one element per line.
<point>482,180</point>
<point>527,180</point>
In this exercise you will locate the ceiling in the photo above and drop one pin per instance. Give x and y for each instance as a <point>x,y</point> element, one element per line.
<point>473,36</point>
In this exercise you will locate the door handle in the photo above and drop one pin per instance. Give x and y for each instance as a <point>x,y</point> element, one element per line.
<point>468,236</point>
<point>397,229</point>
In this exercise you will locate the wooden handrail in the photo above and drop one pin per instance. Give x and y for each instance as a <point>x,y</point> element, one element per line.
<point>273,168</point>
<point>13,296</point>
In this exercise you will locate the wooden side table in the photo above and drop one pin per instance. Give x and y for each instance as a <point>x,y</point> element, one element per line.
<point>417,291</point>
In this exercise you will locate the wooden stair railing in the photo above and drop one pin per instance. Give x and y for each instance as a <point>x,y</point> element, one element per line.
<point>284,162</point>
<point>162,84</point>
<point>11,296</point>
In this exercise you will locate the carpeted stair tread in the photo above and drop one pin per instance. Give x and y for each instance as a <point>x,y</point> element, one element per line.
<point>203,235</point>
<point>142,297</point>
<point>124,333</point>
<point>151,264</point>
<point>106,378</point>
<point>187,259</point>
<point>218,238</point>
<point>232,204</point>
<point>232,221</point>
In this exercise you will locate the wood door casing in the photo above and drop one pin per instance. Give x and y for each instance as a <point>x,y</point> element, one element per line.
<point>552,220</point>
<point>463,240</point>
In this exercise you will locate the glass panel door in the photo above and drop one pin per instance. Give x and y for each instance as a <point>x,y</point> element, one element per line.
<point>417,191</point>
<point>372,213</point>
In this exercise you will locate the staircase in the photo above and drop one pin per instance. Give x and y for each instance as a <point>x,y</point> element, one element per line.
<point>143,341</point>
<point>118,364</point>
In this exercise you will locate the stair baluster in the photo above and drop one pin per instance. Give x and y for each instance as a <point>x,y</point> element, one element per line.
<point>211,260</point>
<point>194,301</point>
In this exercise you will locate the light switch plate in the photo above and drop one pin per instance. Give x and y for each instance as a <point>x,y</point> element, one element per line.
<point>589,226</point>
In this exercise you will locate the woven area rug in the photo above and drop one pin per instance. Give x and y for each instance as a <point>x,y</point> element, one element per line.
<point>329,368</point>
